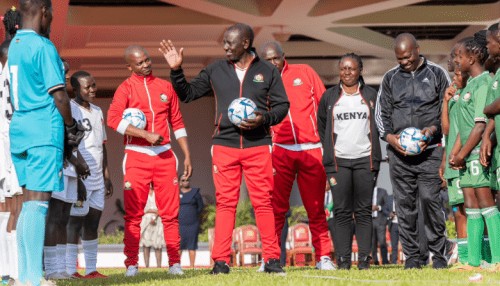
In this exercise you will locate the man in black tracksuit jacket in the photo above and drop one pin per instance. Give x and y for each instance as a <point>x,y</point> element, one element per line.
<point>246,147</point>
<point>411,95</point>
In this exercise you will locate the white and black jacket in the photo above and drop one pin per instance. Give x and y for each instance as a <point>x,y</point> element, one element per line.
<point>412,99</point>
<point>326,126</point>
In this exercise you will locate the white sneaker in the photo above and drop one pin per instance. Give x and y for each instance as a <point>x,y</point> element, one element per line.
<point>175,269</point>
<point>262,265</point>
<point>55,276</point>
<point>132,270</point>
<point>326,264</point>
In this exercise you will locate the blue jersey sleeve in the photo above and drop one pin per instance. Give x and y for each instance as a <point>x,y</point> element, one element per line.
<point>51,67</point>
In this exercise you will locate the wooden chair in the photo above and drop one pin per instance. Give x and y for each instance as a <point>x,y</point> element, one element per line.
<point>301,244</point>
<point>248,242</point>
<point>211,237</point>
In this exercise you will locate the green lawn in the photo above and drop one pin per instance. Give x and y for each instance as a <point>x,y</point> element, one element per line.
<point>392,275</point>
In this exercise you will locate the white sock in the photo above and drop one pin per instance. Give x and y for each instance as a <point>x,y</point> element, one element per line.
<point>14,271</point>
<point>4,250</point>
<point>61,258</point>
<point>8,241</point>
<point>71,258</point>
<point>90,252</point>
<point>50,259</point>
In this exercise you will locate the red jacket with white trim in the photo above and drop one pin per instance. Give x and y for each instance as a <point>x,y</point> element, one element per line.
<point>156,98</point>
<point>304,89</point>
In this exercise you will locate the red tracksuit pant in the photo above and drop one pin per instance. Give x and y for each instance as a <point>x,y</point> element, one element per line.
<point>141,170</point>
<point>228,164</point>
<point>311,180</point>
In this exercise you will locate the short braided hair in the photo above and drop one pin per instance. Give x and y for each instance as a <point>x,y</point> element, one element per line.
<point>477,46</point>
<point>12,21</point>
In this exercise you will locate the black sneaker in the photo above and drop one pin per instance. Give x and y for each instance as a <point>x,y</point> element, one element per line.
<point>274,266</point>
<point>439,265</point>
<point>364,264</point>
<point>412,265</point>
<point>344,265</point>
<point>220,267</point>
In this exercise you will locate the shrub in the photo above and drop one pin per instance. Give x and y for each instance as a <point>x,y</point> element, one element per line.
<point>116,238</point>
<point>451,229</point>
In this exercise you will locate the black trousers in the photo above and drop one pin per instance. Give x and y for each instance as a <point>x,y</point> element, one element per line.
<point>379,239</point>
<point>352,194</point>
<point>394,231</point>
<point>417,178</point>
<point>333,233</point>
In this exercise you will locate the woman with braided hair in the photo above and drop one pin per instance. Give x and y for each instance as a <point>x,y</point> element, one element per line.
<point>352,155</point>
<point>12,21</point>
<point>474,178</point>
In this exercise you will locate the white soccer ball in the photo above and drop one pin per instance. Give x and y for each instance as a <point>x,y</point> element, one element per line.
<point>241,108</point>
<point>136,117</point>
<point>409,140</point>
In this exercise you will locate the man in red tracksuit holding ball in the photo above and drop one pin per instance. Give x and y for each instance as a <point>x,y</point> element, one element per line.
<point>148,155</point>
<point>297,151</point>
<point>246,147</point>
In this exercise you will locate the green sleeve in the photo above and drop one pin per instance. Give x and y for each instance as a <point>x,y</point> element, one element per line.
<point>490,97</point>
<point>480,103</point>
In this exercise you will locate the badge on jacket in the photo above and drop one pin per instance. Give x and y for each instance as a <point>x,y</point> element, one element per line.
<point>467,96</point>
<point>297,82</point>
<point>333,182</point>
<point>495,84</point>
<point>164,98</point>
<point>258,78</point>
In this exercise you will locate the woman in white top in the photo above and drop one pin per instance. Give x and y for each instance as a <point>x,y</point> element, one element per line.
<point>152,230</point>
<point>352,155</point>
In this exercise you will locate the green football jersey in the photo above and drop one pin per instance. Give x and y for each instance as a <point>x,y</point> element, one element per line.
<point>493,94</point>
<point>471,106</point>
<point>452,134</point>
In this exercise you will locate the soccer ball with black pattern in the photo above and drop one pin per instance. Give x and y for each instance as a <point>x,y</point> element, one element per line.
<point>241,108</point>
<point>409,140</point>
<point>136,117</point>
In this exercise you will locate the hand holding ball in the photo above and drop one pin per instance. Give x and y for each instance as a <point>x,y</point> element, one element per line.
<point>241,108</point>
<point>409,140</point>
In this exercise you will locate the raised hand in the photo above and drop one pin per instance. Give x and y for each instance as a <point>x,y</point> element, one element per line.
<point>173,58</point>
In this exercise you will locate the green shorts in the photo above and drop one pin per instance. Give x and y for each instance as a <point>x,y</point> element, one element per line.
<point>475,175</point>
<point>455,193</point>
<point>494,177</point>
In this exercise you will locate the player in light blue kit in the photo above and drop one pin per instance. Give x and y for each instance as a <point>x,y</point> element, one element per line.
<point>41,128</point>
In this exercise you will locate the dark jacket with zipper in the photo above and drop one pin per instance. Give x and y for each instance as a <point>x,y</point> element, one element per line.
<point>262,84</point>
<point>412,99</point>
<point>326,126</point>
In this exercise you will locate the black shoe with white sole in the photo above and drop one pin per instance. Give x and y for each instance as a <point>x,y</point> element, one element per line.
<point>274,266</point>
<point>220,267</point>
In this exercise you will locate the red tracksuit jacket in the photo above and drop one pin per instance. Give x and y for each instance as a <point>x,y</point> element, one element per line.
<point>304,89</point>
<point>156,98</point>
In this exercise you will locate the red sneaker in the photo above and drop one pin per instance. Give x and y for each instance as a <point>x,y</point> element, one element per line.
<point>95,275</point>
<point>76,275</point>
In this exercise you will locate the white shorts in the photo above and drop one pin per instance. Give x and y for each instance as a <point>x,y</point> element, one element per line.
<point>95,200</point>
<point>70,192</point>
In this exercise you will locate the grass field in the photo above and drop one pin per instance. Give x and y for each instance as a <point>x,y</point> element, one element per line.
<point>378,275</point>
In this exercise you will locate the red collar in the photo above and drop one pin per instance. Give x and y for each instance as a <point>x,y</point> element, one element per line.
<point>285,67</point>
<point>137,78</point>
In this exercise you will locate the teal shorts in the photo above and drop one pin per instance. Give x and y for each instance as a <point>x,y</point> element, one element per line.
<point>475,175</point>
<point>40,169</point>
<point>455,193</point>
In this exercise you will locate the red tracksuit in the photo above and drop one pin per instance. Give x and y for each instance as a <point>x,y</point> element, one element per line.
<point>304,89</point>
<point>144,164</point>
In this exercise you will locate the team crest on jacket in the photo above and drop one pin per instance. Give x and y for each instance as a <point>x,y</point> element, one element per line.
<point>455,97</point>
<point>215,170</point>
<point>128,185</point>
<point>333,182</point>
<point>495,84</point>
<point>163,98</point>
<point>258,78</point>
<point>176,182</point>
<point>467,96</point>
<point>363,102</point>
<point>371,104</point>
<point>297,82</point>
<point>274,172</point>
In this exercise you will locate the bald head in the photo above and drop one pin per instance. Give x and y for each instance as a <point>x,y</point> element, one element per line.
<point>138,60</point>
<point>407,52</point>
<point>272,52</point>
<point>131,50</point>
